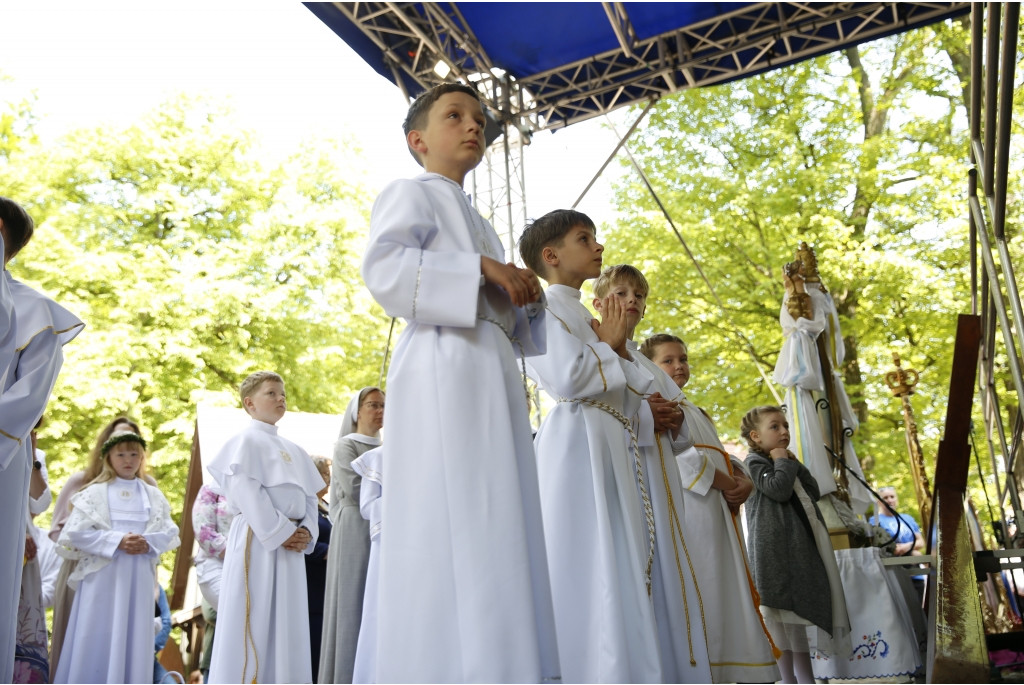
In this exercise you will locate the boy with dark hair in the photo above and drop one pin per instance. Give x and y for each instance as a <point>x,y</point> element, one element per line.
<point>463,592</point>
<point>550,230</point>
<point>598,519</point>
<point>416,117</point>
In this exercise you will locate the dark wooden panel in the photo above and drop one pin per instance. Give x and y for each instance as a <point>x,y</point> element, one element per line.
<point>183,556</point>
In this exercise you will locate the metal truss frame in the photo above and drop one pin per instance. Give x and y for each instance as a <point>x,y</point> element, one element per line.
<point>995,294</point>
<point>424,44</point>
<point>414,38</point>
<point>499,190</point>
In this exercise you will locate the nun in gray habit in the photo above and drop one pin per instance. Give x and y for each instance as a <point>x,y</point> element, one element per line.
<point>350,539</point>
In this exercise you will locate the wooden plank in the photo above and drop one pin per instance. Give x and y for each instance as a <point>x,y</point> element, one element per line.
<point>183,555</point>
<point>953,459</point>
<point>170,658</point>
<point>960,655</point>
<point>960,652</point>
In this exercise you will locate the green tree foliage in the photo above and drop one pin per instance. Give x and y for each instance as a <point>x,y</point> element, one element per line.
<point>193,264</point>
<point>860,154</point>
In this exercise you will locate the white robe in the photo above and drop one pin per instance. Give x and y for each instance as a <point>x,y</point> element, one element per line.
<point>680,605</point>
<point>594,522</point>
<point>737,641</point>
<point>110,631</point>
<point>42,327</point>
<point>37,505</point>
<point>272,483</point>
<point>463,583</point>
<point>347,565</point>
<point>370,468</point>
<point>49,564</point>
<point>8,323</point>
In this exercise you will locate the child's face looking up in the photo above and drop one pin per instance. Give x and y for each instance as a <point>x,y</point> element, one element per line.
<point>578,257</point>
<point>772,431</point>
<point>268,403</point>
<point>452,142</point>
<point>125,458</point>
<point>672,357</point>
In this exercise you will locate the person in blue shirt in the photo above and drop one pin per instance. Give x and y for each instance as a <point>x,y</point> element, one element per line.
<point>909,541</point>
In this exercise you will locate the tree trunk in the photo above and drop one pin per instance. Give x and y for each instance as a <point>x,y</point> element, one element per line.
<point>874,112</point>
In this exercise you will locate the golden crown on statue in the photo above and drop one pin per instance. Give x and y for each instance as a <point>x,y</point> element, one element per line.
<point>901,381</point>
<point>805,253</point>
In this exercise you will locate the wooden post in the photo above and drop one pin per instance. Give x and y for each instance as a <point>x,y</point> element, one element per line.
<point>183,555</point>
<point>960,651</point>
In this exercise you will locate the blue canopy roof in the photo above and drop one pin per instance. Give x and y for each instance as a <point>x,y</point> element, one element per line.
<point>549,64</point>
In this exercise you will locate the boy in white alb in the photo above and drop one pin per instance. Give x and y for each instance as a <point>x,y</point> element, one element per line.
<point>679,607</point>
<point>462,593</point>
<point>598,522</point>
<point>262,617</point>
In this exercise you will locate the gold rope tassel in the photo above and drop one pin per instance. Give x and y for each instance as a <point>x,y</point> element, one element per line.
<point>676,529</point>
<point>648,510</point>
<point>754,594</point>
<point>248,639</point>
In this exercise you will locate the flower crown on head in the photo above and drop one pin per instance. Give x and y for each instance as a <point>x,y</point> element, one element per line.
<point>119,437</point>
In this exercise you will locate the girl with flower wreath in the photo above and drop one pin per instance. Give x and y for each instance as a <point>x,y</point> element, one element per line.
<point>118,528</point>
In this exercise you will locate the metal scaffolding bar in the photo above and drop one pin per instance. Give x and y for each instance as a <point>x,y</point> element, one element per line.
<point>994,291</point>
<point>415,38</point>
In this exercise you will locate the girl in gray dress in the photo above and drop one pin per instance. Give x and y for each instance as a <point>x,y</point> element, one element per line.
<point>350,539</point>
<point>791,557</point>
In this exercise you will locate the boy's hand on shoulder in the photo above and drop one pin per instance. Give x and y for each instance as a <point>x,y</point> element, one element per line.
<point>612,327</point>
<point>522,285</point>
<point>667,414</point>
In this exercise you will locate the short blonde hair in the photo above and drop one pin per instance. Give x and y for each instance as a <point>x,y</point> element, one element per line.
<point>253,381</point>
<point>620,272</point>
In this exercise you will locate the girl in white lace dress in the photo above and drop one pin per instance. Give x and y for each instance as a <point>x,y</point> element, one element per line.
<point>118,528</point>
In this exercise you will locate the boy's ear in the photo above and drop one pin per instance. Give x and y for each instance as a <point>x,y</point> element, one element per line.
<point>597,303</point>
<point>548,256</point>
<point>416,142</point>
